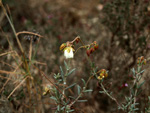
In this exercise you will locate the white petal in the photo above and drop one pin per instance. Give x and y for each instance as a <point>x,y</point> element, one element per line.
<point>68,54</point>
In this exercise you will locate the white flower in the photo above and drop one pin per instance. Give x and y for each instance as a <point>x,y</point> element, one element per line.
<point>68,52</point>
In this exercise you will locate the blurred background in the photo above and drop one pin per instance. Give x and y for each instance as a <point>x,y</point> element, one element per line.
<point>120,27</point>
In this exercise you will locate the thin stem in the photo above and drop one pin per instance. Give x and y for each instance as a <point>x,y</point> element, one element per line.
<point>79,48</point>
<point>27,32</point>
<point>17,87</point>
<point>65,76</point>
<point>81,92</point>
<point>138,75</point>
<point>110,95</point>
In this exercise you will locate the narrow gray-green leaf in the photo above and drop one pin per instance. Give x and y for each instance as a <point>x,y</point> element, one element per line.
<point>141,84</point>
<point>88,90</point>
<point>62,72</point>
<point>54,98</point>
<point>66,65</point>
<point>79,89</point>
<point>136,109</point>
<point>63,108</point>
<point>133,70</point>
<point>142,71</point>
<point>71,72</point>
<point>72,97</point>
<point>58,108</point>
<point>139,92</point>
<point>83,81</point>
<point>70,110</point>
<point>101,92</point>
<point>70,86</point>
<point>81,100</point>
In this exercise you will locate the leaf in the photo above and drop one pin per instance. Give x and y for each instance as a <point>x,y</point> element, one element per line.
<point>66,65</point>
<point>101,92</point>
<point>133,70</point>
<point>81,100</point>
<point>142,71</point>
<point>136,109</point>
<point>141,84</point>
<point>127,98</point>
<point>54,98</point>
<point>71,72</point>
<point>62,72</point>
<point>70,86</point>
<point>79,89</point>
<point>139,92</point>
<point>83,81</point>
<point>132,91</point>
<point>70,111</point>
<point>63,108</point>
<point>72,97</point>
<point>88,90</point>
<point>58,108</point>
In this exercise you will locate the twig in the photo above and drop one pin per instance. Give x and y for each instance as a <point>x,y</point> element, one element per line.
<point>6,53</point>
<point>110,95</point>
<point>27,32</point>
<point>17,87</point>
<point>4,85</point>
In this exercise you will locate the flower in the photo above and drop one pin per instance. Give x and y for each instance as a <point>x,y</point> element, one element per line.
<point>103,74</point>
<point>141,60</point>
<point>68,52</point>
<point>46,90</point>
<point>125,85</point>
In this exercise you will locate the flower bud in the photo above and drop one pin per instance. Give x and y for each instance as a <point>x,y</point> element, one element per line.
<point>77,40</point>
<point>62,46</point>
<point>88,52</point>
<point>91,50</point>
<point>96,47</point>
<point>95,42</point>
<point>141,60</point>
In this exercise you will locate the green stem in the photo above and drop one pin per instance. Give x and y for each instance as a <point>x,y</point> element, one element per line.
<point>84,88</point>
